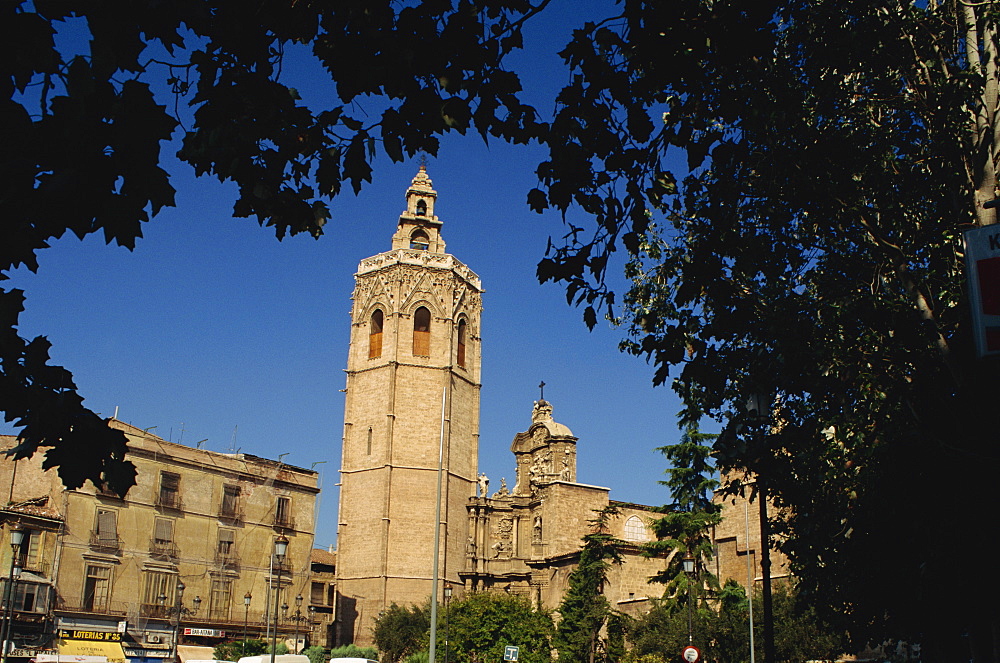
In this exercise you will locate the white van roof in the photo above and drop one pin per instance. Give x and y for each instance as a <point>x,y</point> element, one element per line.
<point>279,658</point>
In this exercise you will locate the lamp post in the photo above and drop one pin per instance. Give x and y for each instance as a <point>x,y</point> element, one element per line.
<point>280,547</point>
<point>298,618</point>
<point>688,563</point>
<point>177,624</point>
<point>758,406</point>
<point>246,617</point>
<point>447,598</point>
<point>16,538</point>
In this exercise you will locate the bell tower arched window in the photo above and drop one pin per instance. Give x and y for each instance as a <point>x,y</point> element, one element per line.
<point>419,240</point>
<point>462,331</point>
<point>421,207</point>
<point>375,334</point>
<point>422,332</point>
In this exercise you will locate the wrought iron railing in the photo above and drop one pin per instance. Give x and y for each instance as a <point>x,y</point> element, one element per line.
<point>105,542</point>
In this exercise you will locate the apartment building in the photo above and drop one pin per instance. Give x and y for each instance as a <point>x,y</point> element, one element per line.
<point>186,560</point>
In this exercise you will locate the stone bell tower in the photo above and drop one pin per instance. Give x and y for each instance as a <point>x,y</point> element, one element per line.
<point>413,386</point>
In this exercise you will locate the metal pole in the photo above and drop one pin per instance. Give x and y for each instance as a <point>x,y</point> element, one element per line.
<point>690,629</point>
<point>16,537</point>
<point>277,595</point>
<point>177,624</point>
<point>765,570</point>
<point>746,516</point>
<point>246,617</point>
<point>437,536</point>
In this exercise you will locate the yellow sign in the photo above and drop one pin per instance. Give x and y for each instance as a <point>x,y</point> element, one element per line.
<point>112,650</point>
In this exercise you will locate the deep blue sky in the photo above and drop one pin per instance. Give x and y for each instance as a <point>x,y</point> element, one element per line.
<point>212,329</point>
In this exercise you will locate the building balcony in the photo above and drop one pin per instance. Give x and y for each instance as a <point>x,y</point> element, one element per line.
<point>168,500</point>
<point>231,514</point>
<point>163,549</point>
<point>284,521</point>
<point>104,542</point>
<point>228,560</point>
<point>90,605</point>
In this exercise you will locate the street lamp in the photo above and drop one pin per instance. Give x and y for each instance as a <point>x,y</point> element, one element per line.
<point>298,618</point>
<point>246,617</point>
<point>16,538</point>
<point>177,624</point>
<point>280,547</point>
<point>688,565</point>
<point>447,598</point>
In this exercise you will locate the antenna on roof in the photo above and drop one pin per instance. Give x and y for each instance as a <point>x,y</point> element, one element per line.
<point>197,445</point>
<point>115,416</point>
<point>281,457</point>
<point>232,443</point>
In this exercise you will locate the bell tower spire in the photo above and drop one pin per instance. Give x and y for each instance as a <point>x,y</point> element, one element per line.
<point>419,228</point>
<point>415,342</point>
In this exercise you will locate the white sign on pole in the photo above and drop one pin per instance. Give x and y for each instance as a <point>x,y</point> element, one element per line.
<point>510,653</point>
<point>982,270</point>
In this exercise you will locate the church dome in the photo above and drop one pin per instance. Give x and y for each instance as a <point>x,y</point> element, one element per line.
<point>542,414</point>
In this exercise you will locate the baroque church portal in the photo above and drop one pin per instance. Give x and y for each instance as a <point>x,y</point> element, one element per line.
<point>412,406</point>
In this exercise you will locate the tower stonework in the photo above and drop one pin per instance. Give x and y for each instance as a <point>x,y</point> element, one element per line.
<point>413,387</point>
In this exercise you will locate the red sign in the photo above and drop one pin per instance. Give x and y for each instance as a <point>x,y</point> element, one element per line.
<point>691,654</point>
<point>206,632</point>
<point>982,259</point>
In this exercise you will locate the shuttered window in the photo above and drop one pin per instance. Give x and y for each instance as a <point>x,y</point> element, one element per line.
<point>422,332</point>
<point>222,591</point>
<point>164,531</point>
<point>227,541</point>
<point>169,489</point>
<point>107,527</point>
<point>375,334</point>
<point>96,586</point>
<point>230,501</point>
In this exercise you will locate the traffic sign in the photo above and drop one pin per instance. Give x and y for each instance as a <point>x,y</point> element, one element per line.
<point>510,653</point>
<point>691,654</point>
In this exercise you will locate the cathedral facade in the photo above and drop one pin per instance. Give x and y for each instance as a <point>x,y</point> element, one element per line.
<point>412,416</point>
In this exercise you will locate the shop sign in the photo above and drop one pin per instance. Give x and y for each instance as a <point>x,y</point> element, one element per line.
<point>147,653</point>
<point>27,653</point>
<point>206,632</point>
<point>101,636</point>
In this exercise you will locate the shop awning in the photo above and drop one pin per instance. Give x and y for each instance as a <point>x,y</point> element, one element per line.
<point>111,650</point>
<point>194,653</point>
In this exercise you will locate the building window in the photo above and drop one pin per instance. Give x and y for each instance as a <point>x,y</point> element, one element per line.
<point>375,334</point>
<point>219,602</point>
<point>419,240</point>
<point>31,551</point>
<point>96,586</point>
<point>635,530</point>
<point>163,537</point>
<point>105,534</point>
<point>32,597</point>
<point>369,440</point>
<point>462,331</point>
<point>225,550</point>
<point>422,332</point>
<point>317,595</point>
<point>283,512</point>
<point>158,593</point>
<point>230,502</point>
<point>169,490</point>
